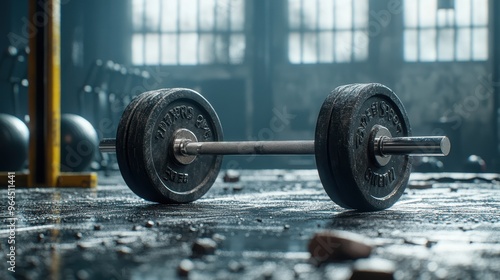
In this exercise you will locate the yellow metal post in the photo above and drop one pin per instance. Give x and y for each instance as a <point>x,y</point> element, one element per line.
<point>44,93</point>
<point>45,100</point>
<point>53,122</point>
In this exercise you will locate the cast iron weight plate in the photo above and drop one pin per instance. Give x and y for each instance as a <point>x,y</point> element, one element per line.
<point>141,187</point>
<point>122,147</point>
<point>346,168</point>
<point>155,175</point>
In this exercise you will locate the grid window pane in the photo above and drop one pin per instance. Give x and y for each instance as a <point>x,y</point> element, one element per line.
<point>427,16</point>
<point>294,14</point>
<point>411,19</point>
<point>221,48</point>
<point>463,43</point>
<point>326,31</point>
<point>152,52</point>
<point>360,12</point>
<point>207,21</point>
<point>456,32</point>
<point>294,47</point>
<point>222,14</point>
<point>237,48</point>
<point>343,14</point>
<point>411,49</point>
<point>445,17</point>
<point>479,50</point>
<point>207,43</point>
<point>480,12</point>
<point>188,32</point>
<point>463,12</point>
<point>325,14</point>
<point>446,41</point>
<point>343,43</point>
<point>327,47</point>
<point>138,49</point>
<point>169,49</point>
<point>187,15</point>
<point>152,15</point>
<point>188,43</point>
<point>309,15</point>
<point>169,15</point>
<point>237,10</point>
<point>310,43</point>
<point>427,46</point>
<point>137,13</point>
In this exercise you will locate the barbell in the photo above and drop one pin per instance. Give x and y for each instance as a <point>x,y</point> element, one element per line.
<point>169,146</point>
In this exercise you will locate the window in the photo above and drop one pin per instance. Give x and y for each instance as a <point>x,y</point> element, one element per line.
<point>446,30</point>
<point>326,31</point>
<point>188,32</point>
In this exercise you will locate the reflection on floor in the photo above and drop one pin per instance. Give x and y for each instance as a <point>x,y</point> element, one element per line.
<point>441,228</point>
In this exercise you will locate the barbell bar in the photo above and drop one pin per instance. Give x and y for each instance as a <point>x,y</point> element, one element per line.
<point>413,146</point>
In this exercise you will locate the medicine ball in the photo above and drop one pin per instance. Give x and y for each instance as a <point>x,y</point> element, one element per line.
<point>79,143</point>
<point>14,140</point>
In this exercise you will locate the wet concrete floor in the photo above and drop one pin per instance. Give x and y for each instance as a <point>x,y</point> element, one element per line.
<point>442,228</point>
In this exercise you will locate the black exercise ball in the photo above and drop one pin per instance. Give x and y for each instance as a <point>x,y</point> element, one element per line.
<point>14,140</point>
<point>79,143</point>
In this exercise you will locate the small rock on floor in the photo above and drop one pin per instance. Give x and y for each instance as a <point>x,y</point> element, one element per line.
<point>185,266</point>
<point>203,246</point>
<point>124,250</point>
<point>377,269</point>
<point>338,246</point>
<point>231,176</point>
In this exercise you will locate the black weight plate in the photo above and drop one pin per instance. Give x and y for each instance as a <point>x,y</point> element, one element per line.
<point>137,183</point>
<point>142,185</point>
<point>121,134</point>
<point>349,175</point>
<point>166,113</point>
<point>122,148</point>
<point>321,144</point>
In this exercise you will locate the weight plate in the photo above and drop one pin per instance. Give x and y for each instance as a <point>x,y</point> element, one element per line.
<point>140,183</point>
<point>347,169</point>
<point>321,145</point>
<point>135,146</point>
<point>122,148</point>
<point>151,146</point>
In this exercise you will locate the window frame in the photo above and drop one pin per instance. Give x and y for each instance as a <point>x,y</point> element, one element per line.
<point>334,30</point>
<point>455,28</point>
<point>216,60</point>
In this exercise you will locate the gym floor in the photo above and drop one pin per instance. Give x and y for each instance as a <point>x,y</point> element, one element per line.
<point>446,226</point>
